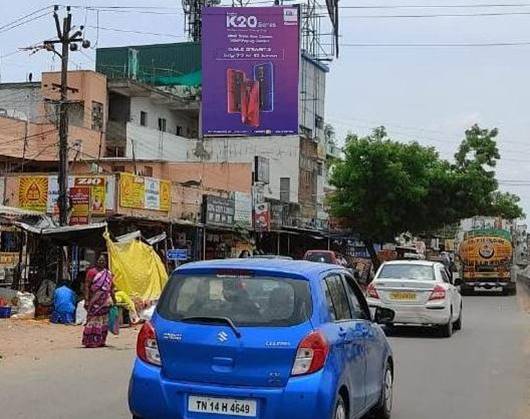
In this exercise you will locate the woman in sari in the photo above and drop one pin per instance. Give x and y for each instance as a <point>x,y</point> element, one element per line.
<point>99,297</point>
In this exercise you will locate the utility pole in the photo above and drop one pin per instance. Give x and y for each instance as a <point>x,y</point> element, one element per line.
<point>69,42</point>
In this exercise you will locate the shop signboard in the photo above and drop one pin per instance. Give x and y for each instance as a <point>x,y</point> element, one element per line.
<point>97,187</point>
<point>177,254</point>
<point>8,259</point>
<point>262,218</point>
<point>33,192</point>
<point>80,202</point>
<point>152,193</point>
<point>218,211</point>
<point>250,69</point>
<point>243,209</point>
<point>276,214</point>
<point>140,192</point>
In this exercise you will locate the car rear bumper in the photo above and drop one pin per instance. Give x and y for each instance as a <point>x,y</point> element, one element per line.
<point>433,313</point>
<point>151,395</point>
<point>488,284</point>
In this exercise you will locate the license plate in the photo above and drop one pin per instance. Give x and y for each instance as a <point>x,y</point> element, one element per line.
<point>222,406</point>
<point>403,296</point>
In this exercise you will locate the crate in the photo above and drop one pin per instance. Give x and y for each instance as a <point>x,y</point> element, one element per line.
<point>5,312</point>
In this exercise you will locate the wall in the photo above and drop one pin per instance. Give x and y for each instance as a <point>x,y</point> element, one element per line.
<point>152,144</point>
<point>282,152</point>
<point>91,87</point>
<point>154,111</point>
<point>21,100</point>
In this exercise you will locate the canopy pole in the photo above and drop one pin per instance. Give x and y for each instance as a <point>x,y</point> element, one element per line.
<point>278,244</point>
<point>329,243</point>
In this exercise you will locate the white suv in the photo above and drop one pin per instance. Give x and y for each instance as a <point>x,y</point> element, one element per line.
<point>419,293</point>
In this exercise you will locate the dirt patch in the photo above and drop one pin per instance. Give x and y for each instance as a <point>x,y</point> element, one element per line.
<point>38,339</point>
<point>523,299</point>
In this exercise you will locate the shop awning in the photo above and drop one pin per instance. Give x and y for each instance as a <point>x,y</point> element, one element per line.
<point>89,235</point>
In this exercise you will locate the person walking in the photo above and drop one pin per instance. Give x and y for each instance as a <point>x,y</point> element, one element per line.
<point>99,297</point>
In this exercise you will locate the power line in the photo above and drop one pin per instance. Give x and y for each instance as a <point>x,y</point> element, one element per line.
<point>134,31</point>
<point>436,15</point>
<point>437,45</point>
<point>24,20</point>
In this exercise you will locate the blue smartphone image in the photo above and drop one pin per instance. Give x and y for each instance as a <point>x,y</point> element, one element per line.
<point>264,74</point>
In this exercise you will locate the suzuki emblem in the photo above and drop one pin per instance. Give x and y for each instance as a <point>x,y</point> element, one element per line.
<point>222,337</point>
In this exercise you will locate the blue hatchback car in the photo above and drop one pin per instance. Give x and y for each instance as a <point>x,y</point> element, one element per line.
<point>266,339</point>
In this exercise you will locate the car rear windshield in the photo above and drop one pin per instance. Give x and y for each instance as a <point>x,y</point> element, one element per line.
<point>319,257</point>
<point>249,301</point>
<point>407,271</point>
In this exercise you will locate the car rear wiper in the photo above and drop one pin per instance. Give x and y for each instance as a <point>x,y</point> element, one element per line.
<point>210,319</point>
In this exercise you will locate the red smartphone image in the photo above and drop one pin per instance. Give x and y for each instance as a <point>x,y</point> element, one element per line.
<point>235,80</point>
<point>250,103</point>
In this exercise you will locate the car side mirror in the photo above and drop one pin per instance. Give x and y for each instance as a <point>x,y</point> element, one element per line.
<point>457,282</point>
<point>383,315</point>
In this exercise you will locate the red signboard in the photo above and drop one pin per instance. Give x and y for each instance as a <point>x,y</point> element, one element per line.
<point>262,217</point>
<point>80,204</point>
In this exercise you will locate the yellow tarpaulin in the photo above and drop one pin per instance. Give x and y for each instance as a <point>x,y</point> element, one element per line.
<point>138,270</point>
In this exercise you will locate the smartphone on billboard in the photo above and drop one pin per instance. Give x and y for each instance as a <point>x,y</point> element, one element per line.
<point>251,103</point>
<point>235,80</point>
<point>264,74</point>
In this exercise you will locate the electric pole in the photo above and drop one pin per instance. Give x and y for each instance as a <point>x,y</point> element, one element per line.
<point>69,42</point>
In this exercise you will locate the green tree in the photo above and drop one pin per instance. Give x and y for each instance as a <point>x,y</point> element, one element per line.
<point>384,187</point>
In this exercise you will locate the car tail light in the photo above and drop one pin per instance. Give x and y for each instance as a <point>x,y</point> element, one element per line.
<point>372,292</point>
<point>147,346</point>
<point>438,293</point>
<point>311,355</point>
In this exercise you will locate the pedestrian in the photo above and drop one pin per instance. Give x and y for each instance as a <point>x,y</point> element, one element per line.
<point>244,254</point>
<point>64,303</point>
<point>99,297</point>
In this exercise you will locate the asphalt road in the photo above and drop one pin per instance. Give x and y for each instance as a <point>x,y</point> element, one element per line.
<point>482,372</point>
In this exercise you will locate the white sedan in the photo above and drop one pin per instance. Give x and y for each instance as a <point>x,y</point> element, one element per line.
<point>419,293</point>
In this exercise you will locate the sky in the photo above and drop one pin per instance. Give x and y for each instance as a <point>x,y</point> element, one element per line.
<point>429,94</point>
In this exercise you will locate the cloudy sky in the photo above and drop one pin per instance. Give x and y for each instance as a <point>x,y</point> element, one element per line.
<point>463,71</point>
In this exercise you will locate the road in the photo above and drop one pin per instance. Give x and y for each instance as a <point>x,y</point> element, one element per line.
<point>482,372</point>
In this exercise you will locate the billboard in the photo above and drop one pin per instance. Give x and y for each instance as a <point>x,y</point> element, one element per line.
<point>141,192</point>
<point>250,70</point>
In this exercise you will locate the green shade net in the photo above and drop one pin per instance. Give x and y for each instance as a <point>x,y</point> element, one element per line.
<point>190,79</point>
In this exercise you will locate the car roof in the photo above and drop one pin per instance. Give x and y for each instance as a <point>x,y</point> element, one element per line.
<point>290,267</point>
<point>412,262</point>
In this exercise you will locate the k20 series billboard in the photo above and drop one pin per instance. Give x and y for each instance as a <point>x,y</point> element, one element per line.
<point>250,70</point>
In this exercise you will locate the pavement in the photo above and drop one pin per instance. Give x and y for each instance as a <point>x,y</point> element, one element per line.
<point>482,372</point>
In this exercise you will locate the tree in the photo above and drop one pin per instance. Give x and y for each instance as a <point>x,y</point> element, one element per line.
<point>384,187</point>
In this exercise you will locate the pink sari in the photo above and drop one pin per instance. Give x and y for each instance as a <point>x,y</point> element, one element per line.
<point>96,329</point>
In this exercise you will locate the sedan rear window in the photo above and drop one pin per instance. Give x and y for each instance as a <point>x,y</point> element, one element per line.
<point>248,301</point>
<point>319,257</point>
<point>407,271</point>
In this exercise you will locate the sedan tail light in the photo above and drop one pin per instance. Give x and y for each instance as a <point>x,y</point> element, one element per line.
<point>311,355</point>
<point>372,292</point>
<point>438,293</point>
<point>147,346</point>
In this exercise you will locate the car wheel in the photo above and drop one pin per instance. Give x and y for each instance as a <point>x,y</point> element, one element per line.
<point>458,323</point>
<point>384,406</point>
<point>340,409</point>
<point>447,329</point>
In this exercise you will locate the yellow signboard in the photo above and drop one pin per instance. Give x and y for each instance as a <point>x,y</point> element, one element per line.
<point>165,195</point>
<point>144,193</point>
<point>97,192</point>
<point>8,259</point>
<point>132,191</point>
<point>33,193</point>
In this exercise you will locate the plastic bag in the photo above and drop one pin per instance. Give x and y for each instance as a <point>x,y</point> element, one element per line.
<point>114,321</point>
<point>45,292</point>
<point>25,306</point>
<point>80,313</point>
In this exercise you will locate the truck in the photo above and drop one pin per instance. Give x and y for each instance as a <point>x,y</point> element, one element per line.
<point>486,256</point>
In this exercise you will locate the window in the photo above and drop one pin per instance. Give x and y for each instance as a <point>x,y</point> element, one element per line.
<point>147,171</point>
<point>143,119</point>
<point>97,116</point>
<point>319,169</point>
<point>179,130</point>
<point>285,189</point>
<point>338,297</point>
<point>445,276</point>
<point>358,306</point>
<point>162,124</point>
<point>247,301</point>
<point>407,271</point>
<point>319,122</point>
